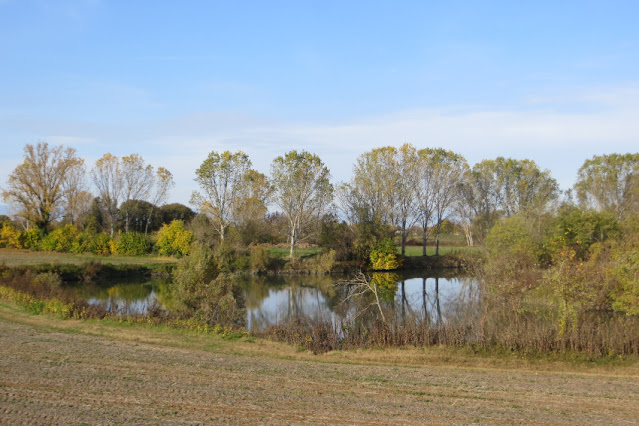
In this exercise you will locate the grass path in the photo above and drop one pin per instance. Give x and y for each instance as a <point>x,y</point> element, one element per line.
<point>54,371</point>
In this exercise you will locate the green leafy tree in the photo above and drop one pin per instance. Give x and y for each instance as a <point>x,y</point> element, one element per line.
<point>176,211</point>
<point>579,229</point>
<point>406,205</point>
<point>371,191</point>
<point>448,170</point>
<point>504,187</point>
<point>610,183</point>
<point>138,212</point>
<point>252,207</point>
<point>522,186</point>
<point>302,189</point>
<point>426,189</point>
<point>626,272</point>
<point>222,179</point>
<point>384,188</point>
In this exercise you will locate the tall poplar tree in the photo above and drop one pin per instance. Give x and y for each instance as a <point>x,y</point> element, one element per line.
<point>302,189</point>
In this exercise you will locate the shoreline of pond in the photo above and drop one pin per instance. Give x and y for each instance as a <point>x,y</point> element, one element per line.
<point>99,270</point>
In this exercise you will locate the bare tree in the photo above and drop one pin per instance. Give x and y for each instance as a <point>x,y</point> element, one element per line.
<point>361,287</point>
<point>120,180</point>
<point>137,182</point>
<point>40,186</point>
<point>162,183</point>
<point>109,181</point>
<point>78,206</point>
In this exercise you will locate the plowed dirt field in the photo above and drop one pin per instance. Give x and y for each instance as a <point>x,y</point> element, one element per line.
<point>69,372</point>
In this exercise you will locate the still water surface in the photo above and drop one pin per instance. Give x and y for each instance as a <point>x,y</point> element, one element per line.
<point>438,296</point>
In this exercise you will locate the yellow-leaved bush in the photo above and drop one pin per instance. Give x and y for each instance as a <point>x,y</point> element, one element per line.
<point>174,239</point>
<point>384,256</point>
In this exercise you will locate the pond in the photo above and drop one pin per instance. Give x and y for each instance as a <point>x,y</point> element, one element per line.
<point>436,295</point>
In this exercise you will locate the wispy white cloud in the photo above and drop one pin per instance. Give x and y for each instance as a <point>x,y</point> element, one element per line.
<point>555,136</point>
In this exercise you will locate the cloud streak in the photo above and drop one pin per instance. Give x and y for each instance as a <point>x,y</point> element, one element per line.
<point>555,136</point>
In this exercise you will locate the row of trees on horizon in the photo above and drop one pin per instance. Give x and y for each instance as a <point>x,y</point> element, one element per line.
<point>392,190</point>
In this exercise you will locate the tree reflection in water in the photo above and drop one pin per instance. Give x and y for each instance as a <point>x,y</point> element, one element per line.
<point>271,300</point>
<point>432,297</point>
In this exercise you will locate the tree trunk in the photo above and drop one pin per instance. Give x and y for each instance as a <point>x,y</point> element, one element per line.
<point>403,237</point>
<point>424,304</point>
<point>148,220</point>
<point>469,237</point>
<point>438,307</point>
<point>404,301</point>
<point>424,238</point>
<point>439,224</point>
<point>292,252</point>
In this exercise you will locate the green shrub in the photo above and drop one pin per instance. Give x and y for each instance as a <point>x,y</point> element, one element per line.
<point>47,280</point>
<point>130,243</point>
<point>60,239</point>
<point>325,262</point>
<point>337,236</point>
<point>200,292</point>
<point>512,262</point>
<point>229,259</point>
<point>626,271</point>
<point>258,258</point>
<point>31,239</point>
<point>384,256</point>
<point>82,243</point>
<point>579,229</point>
<point>100,244</point>
<point>90,242</point>
<point>174,239</point>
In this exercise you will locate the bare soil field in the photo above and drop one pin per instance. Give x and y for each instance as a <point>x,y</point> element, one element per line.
<point>70,372</point>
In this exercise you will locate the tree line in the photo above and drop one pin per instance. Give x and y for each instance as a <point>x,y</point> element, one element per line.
<point>392,191</point>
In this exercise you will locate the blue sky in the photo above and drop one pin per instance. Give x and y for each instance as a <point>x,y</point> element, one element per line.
<point>553,81</point>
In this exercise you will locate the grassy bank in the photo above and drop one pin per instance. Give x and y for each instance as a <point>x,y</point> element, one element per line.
<point>415,251</point>
<point>15,257</point>
<point>305,262</point>
<point>105,371</point>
